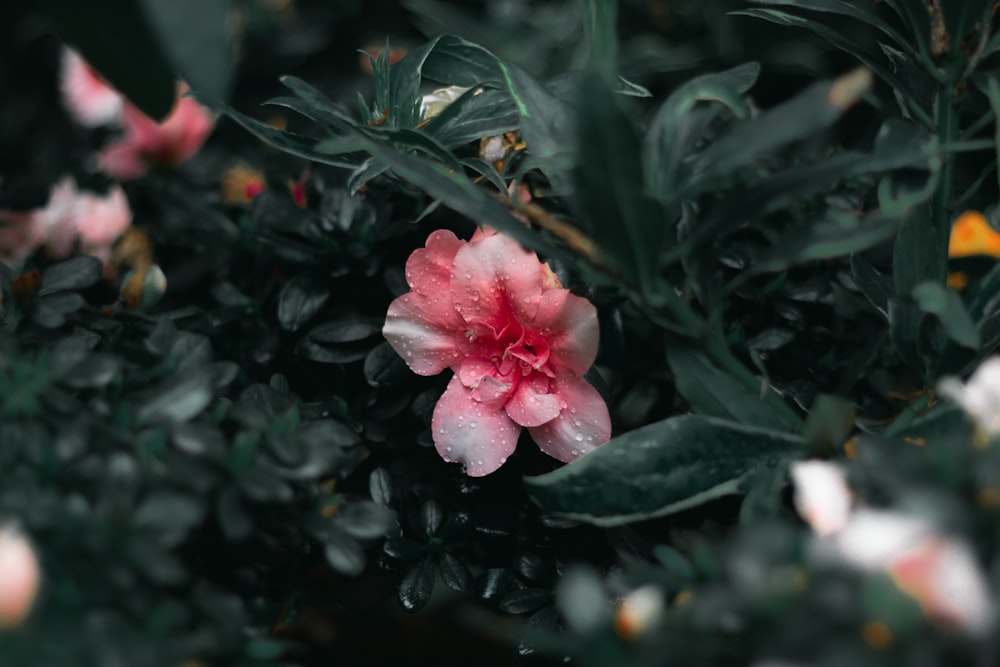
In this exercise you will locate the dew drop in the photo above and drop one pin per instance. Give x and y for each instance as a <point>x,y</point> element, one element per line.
<point>443,431</point>
<point>573,410</point>
<point>578,437</point>
<point>468,275</point>
<point>473,424</point>
<point>574,452</point>
<point>577,423</point>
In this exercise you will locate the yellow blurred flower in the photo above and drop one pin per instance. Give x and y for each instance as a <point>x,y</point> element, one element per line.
<point>971,234</point>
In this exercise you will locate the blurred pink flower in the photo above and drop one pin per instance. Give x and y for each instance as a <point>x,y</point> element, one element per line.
<point>517,341</point>
<point>941,573</point>
<point>97,221</point>
<point>19,578</point>
<point>148,143</point>
<point>90,100</point>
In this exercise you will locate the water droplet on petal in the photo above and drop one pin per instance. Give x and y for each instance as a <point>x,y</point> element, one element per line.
<point>473,424</point>
<point>468,275</point>
<point>578,437</point>
<point>574,452</point>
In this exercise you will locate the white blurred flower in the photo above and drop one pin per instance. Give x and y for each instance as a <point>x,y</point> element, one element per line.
<point>980,396</point>
<point>822,497</point>
<point>434,102</point>
<point>639,611</point>
<point>941,573</point>
<point>19,577</point>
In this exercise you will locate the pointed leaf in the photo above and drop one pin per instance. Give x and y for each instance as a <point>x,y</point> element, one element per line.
<point>660,469</point>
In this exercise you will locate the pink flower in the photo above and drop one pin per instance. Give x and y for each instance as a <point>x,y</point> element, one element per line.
<point>19,577</point>
<point>90,100</point>
<point>148,143</point>
<point>517,341</point>
<point>97,221</point>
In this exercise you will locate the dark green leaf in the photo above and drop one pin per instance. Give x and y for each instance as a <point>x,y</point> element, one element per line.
<point>417,585</point>
<point>599,20</point>
<point>803,116</point>
<point>665,142</point>
<point>344,554</point>
<point>713,392</point>
<point>96,370</point>
<point>384,367</point>
<point>194,35</point>
<point>947,305</point>
<point>844,9</point>
<point>454,573</point>
<point>365,520</point>
<point>915,256</point>
<point>834,236</point>
<point>177,399</point>
<point>300,300</point>
<point>73,274</point>
<point>626,223</point>
<point>660,469</point>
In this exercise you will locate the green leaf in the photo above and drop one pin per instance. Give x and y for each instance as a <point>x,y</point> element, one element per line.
<point>456,62</point>
<point>545,119</point>
<point>194,35</point>
<point>599,22</point>
<point>865,56</point>
<point>914,255</point>
<point>993,94</point>
<point>663,145</point>
<point>714,392</point>
<point>844,9</point>
<point>905,329</point>
<point>289,142</point>
<point>803,116</point>
<point>324,110</point>
<point>834,236</point>
<point>626,223</point>
<point>116,39</point>
<point>660,469</point>
<point>947,305</point>
<point>876,287</point>
<point>71,274</point>
<point>829,423</point>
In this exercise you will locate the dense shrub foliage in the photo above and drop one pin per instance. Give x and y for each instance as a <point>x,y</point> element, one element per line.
<point>274,313</point>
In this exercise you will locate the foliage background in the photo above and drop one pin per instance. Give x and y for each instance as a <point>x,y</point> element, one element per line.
<point>244,474</point>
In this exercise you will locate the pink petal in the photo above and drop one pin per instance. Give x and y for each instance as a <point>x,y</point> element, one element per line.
<point>428,270</point>
<point>122,160</point>
<point>468,432</point>
<point>569,322</point>
<point>91,101</point>
<point>19,578</point>
<point>492,275</point>
<point>422,330</point>
<point>101,220</point>
<point>583,425</point>
<point>532,404</point>
<point>473,369</point>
